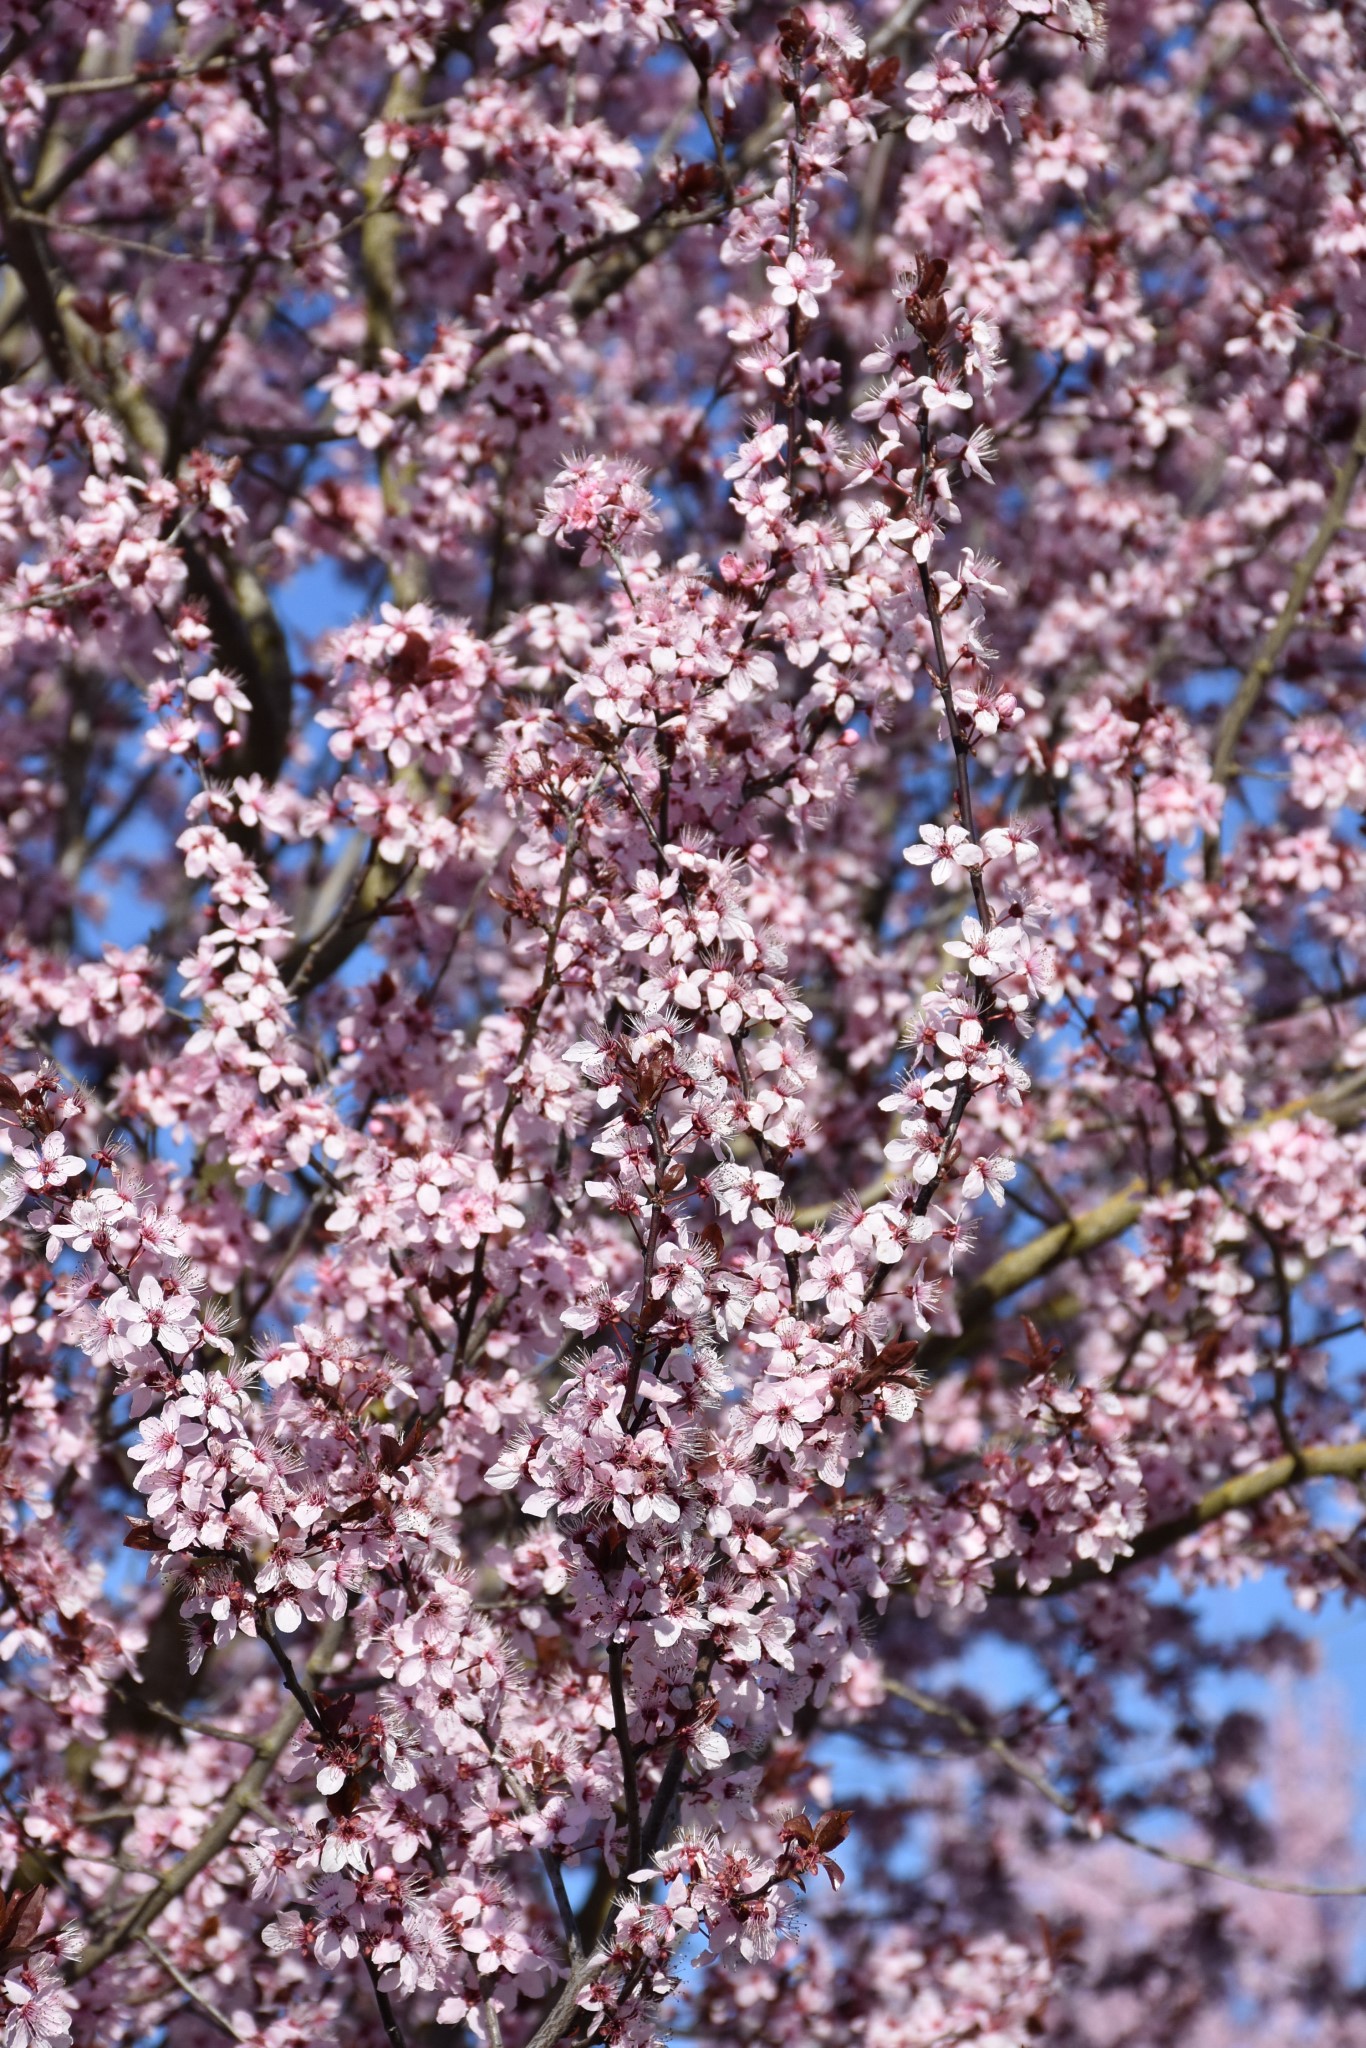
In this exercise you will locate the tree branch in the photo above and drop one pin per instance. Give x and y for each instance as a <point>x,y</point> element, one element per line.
<point>393,2033</point>
<point>247,634</point>
<point>1339,1104</point>
<point>238,1802</point>
<point>1020,1267</point>
<point>182,1982</point>
<point>1244,1490</point>
<point>995,1745</point>
<point>1264,666</point>
<point>616,1657</point>
<point>557,2019</point>
<point>1271,31</point>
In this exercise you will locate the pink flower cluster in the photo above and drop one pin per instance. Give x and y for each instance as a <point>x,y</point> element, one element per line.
<point>681,1036</point>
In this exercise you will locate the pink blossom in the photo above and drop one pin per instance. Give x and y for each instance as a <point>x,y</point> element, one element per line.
<point>601,498</point>
<point>153,1316</point>
<point>558,1305</point>
<point>953,853</point>
<point>986,952</point>
<point>800,280</point>
<point>40,2008</point>
<point>48,1165</point>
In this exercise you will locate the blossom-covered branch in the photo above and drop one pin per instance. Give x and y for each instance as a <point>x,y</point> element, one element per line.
<point>620,621</point>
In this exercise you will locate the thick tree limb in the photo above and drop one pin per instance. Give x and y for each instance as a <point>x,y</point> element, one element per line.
<point>1019,1268</point>
<point>1339,1104</point>
<point>1244,1490</point>
<point>560,2014</point>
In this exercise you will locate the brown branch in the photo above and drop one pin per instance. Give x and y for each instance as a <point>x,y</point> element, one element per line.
<point>247,634</point>
<point>239,1800</point>
<point>1263,667</point>
<point>393,2033</point>
<point>616,1658</point>
<point>379,241</point>
<point>550,1862</point>
<point>560,2014</point>
<point>1019,1268</point>
<point>1339,1104</point>
<point>1305,1006</point>
<point>155,85</point>
<point>33,269</point>
<point>209,341</point>
<point>182,1983</point>
<point>617,270</point>
<point>906,16</point>
<point>943,680</point>
<point>995,1745</point>
<point>210,1729</point>
<point>364,887</point>
<point>131,81</point>
<point>502,1156</point>
<point>1301,77</point>
<point>98,146</point>
<point>557,2019</point>
<point>1244,1490</point>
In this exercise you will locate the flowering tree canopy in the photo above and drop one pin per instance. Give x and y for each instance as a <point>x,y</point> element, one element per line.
<point>681,759</point>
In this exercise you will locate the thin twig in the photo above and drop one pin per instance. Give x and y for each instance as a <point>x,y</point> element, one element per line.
<point>1272,32</point>
<point>210,1729</point>
<point>550,1862</point>
<point>265,1628</point>
<point>182,1982</point>
<point>129,81</point>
